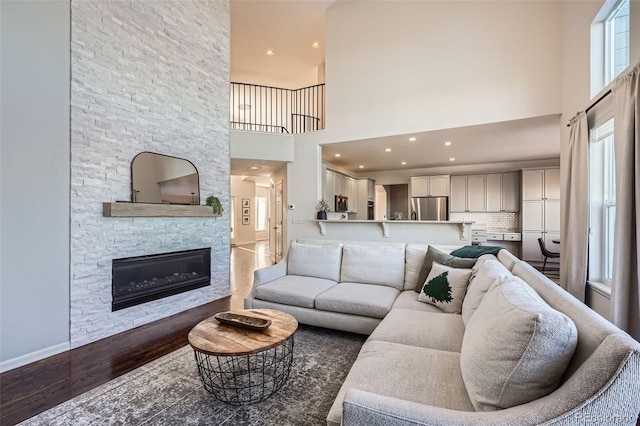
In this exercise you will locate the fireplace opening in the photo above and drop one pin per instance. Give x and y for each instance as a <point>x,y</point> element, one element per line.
<point>141,279</point>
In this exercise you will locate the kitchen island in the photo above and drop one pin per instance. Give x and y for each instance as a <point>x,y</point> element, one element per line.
<point>407,231</point>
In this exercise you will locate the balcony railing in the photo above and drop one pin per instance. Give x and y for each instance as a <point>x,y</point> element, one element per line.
<point>276,110</point>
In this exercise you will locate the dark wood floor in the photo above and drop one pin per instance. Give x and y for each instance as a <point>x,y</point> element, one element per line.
<point>34,388</point>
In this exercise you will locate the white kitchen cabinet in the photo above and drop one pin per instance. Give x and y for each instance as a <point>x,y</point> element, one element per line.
<point>540,212</point>
<point>510,192</point>
<point>476,193</point>
<point>439,186</point>
<point>532,185</point>
<point>467,193</point>
<point>420,186</point>
<point>329,192</point>
<point>494,192</point>
<point>430,186</point>
<point>371,189</point>
<point>530,246</point>
<point>458,199</point>
<point>352,193</point>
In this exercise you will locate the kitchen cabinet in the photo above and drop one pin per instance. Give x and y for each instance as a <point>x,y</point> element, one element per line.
<point>430,186</point>
<point>511,192</point>
<point>365,193</point>
<point>540,211</point>
<point>339,184</point>
<point>458,199</point>
<point>496,192</point>
<point>476,193</point>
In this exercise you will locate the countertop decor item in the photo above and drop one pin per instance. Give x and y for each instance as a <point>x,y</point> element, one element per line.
<point>322,207</point>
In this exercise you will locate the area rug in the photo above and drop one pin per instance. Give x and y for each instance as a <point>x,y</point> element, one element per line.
<point>168,391</point>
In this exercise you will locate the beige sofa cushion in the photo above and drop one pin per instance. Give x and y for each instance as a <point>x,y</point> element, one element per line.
<point>358,299</point>
<point>486,273</point>
<point>515,348</point>
<point>373,264</point>
<point>293,290</point>
<point>425,376</point>
<point>408,299</point>
<point>320,261</point>
<point>423,329</point>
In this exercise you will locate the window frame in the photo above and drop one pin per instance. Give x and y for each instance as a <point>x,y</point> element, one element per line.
<point>603,45</point>
<point>602,202</point>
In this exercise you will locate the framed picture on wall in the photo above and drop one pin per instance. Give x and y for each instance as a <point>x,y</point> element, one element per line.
<point>245,202</point>
<point>245,211</point>
<point>245,220</point>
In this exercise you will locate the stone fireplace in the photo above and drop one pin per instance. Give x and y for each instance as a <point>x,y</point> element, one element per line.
<point>145,76</point>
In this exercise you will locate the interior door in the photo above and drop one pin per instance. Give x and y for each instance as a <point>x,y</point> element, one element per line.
<point>232,216</point>
<point>278,222</point>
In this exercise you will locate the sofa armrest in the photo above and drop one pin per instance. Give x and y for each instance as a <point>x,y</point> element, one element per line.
<point>367,408</point>
<point>264,275</point>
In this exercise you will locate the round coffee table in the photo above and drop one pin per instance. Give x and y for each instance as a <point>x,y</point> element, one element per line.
<point>241,366</point>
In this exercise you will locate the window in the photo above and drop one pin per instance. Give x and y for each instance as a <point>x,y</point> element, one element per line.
<point>261,214</point>
<point>609,44</point>
<point>602,203</point>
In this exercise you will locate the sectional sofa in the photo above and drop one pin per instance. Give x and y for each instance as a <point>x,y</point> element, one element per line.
<point>520,351</point>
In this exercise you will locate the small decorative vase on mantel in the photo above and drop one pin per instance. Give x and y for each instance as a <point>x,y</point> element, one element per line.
<point>322,208</point>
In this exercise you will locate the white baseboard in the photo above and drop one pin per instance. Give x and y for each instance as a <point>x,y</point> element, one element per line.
<point>16,362</point>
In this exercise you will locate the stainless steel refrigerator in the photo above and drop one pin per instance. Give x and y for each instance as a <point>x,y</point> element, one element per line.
<point>430,208</point>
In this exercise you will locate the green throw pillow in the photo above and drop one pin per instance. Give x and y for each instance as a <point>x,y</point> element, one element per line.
<point>476,251</point>
<point>435,255</point>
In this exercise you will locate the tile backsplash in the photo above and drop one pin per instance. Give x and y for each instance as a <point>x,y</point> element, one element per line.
<point>501,220</point>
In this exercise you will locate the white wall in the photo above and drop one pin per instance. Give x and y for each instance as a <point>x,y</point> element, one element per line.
<point>400,67</point>
<point>263,146</point>
<point>244,189</point>
<point>34,223</point>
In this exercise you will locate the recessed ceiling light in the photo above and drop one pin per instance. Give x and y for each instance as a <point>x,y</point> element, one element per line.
<point>337,155</point>
<point>315,45</point>
<point>254,167</point>
<point>412,139</point>
<point>361,166</point>
<point>388,150</point>
<point>270,52</point>
<point>447,143</point>
<point>244,107</point>
<point>452,159</point>
<point>404,163</point>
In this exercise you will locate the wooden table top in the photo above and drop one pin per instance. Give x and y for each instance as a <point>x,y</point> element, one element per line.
<point>213,338</point>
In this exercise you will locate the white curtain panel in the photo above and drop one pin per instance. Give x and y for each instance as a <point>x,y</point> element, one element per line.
<point>625,293</point>
<point>575,213</point>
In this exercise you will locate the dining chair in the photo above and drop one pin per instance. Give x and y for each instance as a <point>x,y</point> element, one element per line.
<point>546,253</point>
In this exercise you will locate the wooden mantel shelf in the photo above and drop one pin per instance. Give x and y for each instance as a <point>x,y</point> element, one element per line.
<point>155,210</point>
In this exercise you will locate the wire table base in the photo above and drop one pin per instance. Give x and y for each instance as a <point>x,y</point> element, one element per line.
<point>246,379</point>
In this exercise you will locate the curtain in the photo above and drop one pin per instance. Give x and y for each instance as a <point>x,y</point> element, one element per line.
<point>574,218</point>
<point>625,294</point>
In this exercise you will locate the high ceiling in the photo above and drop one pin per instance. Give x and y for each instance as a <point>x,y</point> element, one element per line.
<point>289,28</point>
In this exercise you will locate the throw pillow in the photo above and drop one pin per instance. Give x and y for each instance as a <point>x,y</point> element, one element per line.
<point>476,251</point>
<point>435,255</point>
<point>515,347</point>
<point>445,287</point>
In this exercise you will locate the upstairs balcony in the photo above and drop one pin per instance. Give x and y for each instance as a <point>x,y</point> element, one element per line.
<point>275,110</point>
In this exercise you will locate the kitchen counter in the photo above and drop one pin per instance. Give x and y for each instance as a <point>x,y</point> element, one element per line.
<point>422,229</point>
